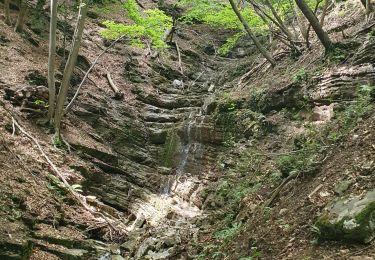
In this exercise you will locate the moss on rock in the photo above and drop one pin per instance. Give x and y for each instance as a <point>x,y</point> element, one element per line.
<point>349,219</point>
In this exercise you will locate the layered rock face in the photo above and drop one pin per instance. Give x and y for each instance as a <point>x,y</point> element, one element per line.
<point>151,158</point>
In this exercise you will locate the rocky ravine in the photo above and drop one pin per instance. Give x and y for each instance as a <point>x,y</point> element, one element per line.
<point>150,160</point>
<point>144,159</point>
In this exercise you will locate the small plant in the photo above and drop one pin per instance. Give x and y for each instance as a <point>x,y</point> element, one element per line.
<point>267,212</point>
<point>57,187</point>
<point>337,54</point>
<point>230,43</point>
<point>300,76</point>
<point>40,102</point>
<point>77,188</point>
<point>59,143</point>
<point>228,233</point>
<point>288,163</point>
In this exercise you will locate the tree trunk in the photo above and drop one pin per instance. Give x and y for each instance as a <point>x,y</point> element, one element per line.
<point>368,8</point>
<point>51,60</point>
<point>324,12</point>
<point>277,17</point>
<point>7,12</point>
<point>264,52</point>
<point>70,64</point>
<point>21,16</point>
<point>322,35</point>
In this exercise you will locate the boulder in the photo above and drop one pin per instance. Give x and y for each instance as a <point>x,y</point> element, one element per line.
<point>350,219</point>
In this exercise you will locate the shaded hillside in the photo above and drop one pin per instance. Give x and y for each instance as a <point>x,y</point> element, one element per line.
<point>204,157</point>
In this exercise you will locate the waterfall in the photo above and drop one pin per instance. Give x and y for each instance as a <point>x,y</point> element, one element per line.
<point>192,148</point>
<point>186,148</point>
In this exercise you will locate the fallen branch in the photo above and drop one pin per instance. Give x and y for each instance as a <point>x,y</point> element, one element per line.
<point>245,78</point>
<point>315,191</point>
<point>278,189</point>
<point>118,94</point>
<point>179,58</point>
<point>88,71</point>
<point>84,73</point>
<point>79,197</point>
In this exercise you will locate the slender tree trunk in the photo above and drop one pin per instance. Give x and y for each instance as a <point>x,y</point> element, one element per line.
<point>324,12</point>
<point>368,8</point>
<point>309,26</point>
<point>21,16</point>
<point>322,35</point>
<point>364,3</point>
<point>7,12</point>
<point>301,23</point>
<point>290,41</point>
<point>70,64</point>
<point>51,60</point>
<point>264,52</point>
<point>279,20</point>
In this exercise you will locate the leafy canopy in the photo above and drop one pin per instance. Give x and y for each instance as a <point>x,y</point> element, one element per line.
<point>219,13</point>
<point>149,25</point>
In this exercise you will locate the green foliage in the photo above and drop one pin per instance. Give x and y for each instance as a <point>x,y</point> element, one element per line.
<point>348,118</point>
<point>106,6</point>
<point>288,163</point>
<point>230,43</point>
<point>219,13</point>
<point>151,24</point>
<point>308,145</point>
<point>227,233</point>
<point>300,76</point>
<point>57,187</point>
<point>256,98</point>
<point>336,55</point>
<point>40,102</point>
<point>77,188</point>
<point>131,7</point>
<point>59,143</point>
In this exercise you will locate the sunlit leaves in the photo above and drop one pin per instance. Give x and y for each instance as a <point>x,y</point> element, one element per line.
<point>150,25</point>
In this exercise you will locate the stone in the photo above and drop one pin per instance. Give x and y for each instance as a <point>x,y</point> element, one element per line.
<point>90,198</point>
<point>361,258</point>
<point>114,248</point>
<point>178,83</point>
<point>350,219</point>
<point>342,186</point>
<point>140,221</point>
<point>75,253</point>
<point>167,254</point>
<point>282,211</point>
<point>323,114</point>
<point>117,257</point>
<point>146,245</point>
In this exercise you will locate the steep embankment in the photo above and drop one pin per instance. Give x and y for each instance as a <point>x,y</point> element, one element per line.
<point>140,160</point>
<point>297,171</point>
<point>238,161</point>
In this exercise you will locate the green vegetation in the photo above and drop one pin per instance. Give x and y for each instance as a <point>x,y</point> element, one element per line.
<point>300,76</point>
<point>228,233</point>
<point>151,25</point>
<point>219,14</point>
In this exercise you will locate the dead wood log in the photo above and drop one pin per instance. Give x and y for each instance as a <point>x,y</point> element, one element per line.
<point>118,93</point>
